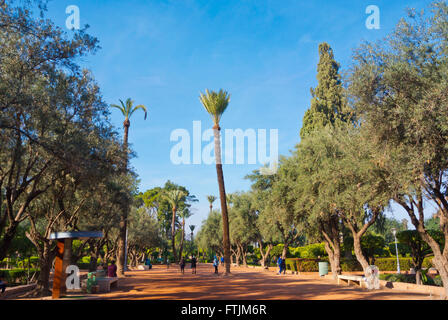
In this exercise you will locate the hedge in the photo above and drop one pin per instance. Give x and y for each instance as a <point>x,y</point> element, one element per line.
<point>16,275</point>
<point>349,265</point>
<point>410,278</point>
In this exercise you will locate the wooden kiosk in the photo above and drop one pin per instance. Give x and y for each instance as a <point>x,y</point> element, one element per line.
<point>64,252</point>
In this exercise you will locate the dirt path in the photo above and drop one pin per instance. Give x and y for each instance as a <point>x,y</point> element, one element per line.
<point>244,283</point>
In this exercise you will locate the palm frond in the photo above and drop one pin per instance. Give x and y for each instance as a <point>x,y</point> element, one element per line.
<point>123,111</point>
<point>139,107</point>
<point>215,103</point>
<point>174,196</point>
<point>129,103</point>
<point>211,199</point>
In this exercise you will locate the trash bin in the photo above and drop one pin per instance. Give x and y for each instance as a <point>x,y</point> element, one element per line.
<point>323,268</point>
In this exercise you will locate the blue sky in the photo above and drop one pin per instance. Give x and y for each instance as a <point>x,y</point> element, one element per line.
<point>164,53</point>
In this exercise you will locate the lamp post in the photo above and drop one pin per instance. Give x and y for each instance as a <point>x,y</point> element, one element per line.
<point>394,231</point>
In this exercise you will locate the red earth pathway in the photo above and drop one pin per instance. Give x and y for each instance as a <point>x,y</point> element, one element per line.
<point>243,284</point>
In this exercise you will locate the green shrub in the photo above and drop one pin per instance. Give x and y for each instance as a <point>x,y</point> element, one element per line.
<point>277,250</point>
<point>390,264</point>
<point>427,263</point>
<point>349,265</point>
<point>83,266</point>
<point>16,276</point>
<point>308,266</point>
<point>291,264</point>
<point>85,259</point>
<point>437,281</point>
<point>34,262</point>
<point>392,277</point>
<point>312,251</point>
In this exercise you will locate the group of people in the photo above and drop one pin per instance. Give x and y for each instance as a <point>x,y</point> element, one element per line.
<point>281,265</point>
<point>193,262</point>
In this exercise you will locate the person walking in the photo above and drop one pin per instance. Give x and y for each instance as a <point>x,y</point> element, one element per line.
<point>215,264</point>
<point>182,265</point>
<point>279,263</point>
<point>284,265</point>
<point>222,260</point>
<point>148,263</point>
<point>193,265</point>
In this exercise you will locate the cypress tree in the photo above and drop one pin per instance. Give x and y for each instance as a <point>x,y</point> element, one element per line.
<point>327,102</point>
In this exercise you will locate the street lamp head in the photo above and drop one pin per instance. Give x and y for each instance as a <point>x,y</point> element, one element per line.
<point>394,231</point>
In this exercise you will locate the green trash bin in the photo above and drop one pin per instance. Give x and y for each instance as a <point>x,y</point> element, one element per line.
<point>323,268</point>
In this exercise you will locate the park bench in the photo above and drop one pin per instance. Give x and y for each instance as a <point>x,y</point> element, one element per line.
<point>105,284</point>
<point>349,278</point>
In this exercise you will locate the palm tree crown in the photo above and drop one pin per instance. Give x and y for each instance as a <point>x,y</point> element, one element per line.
<point>211,199</point>
<point>215,103</point>
<point>127,109</point>
<point>174,197</point>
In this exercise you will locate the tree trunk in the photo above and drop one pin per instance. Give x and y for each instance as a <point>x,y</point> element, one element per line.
<point>265,255</point>
<point>121,264</point>
<point>245,258</point>
<point>121,254</point>
<point>8,236</point>
<point>181,249</point>
<point>357,238</point>
<point>94,257</point>
<point>418,276</point>
<point>222,195</point>
<point>330,230</point>
<point>173,234</point>
<point>440,259</point>
<point>238,255</point>
<point>285,250</point>
<point>359,254</point>
<point>334,254</point>
<point>45,262</point>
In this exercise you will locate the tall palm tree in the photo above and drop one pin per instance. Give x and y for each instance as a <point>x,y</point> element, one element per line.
<point>211,199</point>
<point>127,109</point>
<point>216,103</point>
<point>192,227</point>
<point>184,214</point>
<point>174,197</point>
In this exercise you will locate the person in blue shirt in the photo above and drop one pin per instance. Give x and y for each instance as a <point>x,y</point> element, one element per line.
<point>222,260</point>
<point>215,264</point>
<point>279,263</point>
<point>148,263</point>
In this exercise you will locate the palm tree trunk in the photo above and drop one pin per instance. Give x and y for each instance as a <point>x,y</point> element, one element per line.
<point>121,263</point>
<point>173,234</point>
<point>181,249</point>
<point>222,195</point>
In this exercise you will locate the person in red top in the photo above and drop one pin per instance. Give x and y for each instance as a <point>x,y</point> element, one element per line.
<point>112,270</point>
